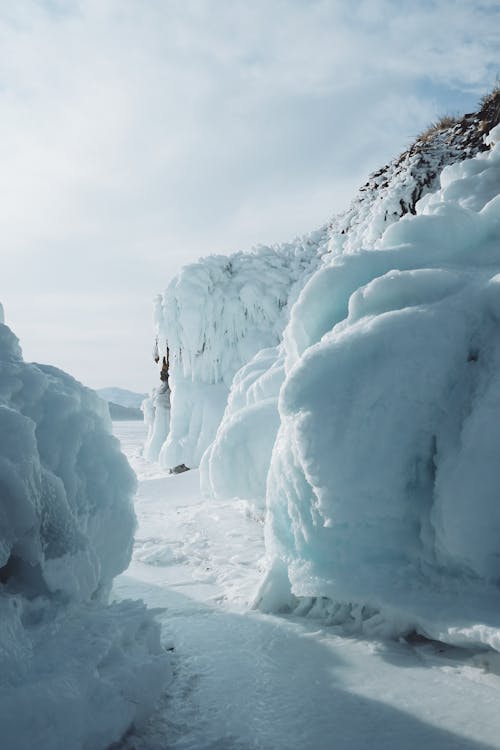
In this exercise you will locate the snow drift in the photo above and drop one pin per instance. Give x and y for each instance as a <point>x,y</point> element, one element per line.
<point>75,672</point>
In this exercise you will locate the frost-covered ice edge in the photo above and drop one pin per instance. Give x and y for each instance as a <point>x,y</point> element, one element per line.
<point>76,671</point>
<point>347,385</point>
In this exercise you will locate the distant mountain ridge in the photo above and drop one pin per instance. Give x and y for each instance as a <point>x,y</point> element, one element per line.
<point>124,413</point>
<point>122,397</point>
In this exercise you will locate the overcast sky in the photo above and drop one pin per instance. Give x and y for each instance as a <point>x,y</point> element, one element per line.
<point>138,135</point>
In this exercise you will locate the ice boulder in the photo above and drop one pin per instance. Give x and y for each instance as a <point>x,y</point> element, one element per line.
<point>75,672</point>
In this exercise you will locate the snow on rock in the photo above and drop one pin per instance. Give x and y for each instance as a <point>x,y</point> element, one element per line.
<point>383,487</point>
<point>394,190</point>
<point>216,315</point>
<point>74,672</point>
<point>493,137</point>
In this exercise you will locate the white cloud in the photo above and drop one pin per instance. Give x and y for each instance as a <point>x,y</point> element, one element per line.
<point>137,135</point>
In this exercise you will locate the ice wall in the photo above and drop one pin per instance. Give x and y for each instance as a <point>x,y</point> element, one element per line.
<point>383,486</point>
<point>216,315</point>
<point>74,672</point>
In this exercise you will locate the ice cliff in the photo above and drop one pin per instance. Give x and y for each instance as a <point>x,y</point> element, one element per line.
<point>216,315</point>
<point>348,386</point>
<point>76,671</point>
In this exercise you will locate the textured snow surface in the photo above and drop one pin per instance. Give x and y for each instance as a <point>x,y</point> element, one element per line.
<point>66,529</point>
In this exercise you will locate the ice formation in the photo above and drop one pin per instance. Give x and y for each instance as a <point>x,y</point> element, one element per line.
<point>237,462</point>
<point>353,395</point>
<point>215,316</point>
<point>156,410</point>
<point>75,671</point>
<point>383,485</point>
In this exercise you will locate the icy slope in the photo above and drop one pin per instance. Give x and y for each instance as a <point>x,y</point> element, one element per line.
<point>66,529</point>
<point>383,487</point>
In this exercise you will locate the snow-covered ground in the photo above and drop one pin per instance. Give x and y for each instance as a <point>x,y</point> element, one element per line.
<point>250,681</point>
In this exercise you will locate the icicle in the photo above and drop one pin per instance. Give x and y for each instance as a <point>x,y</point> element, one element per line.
<point>156,354</point>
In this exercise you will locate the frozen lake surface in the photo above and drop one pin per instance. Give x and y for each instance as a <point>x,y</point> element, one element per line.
<point>248,681</point>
